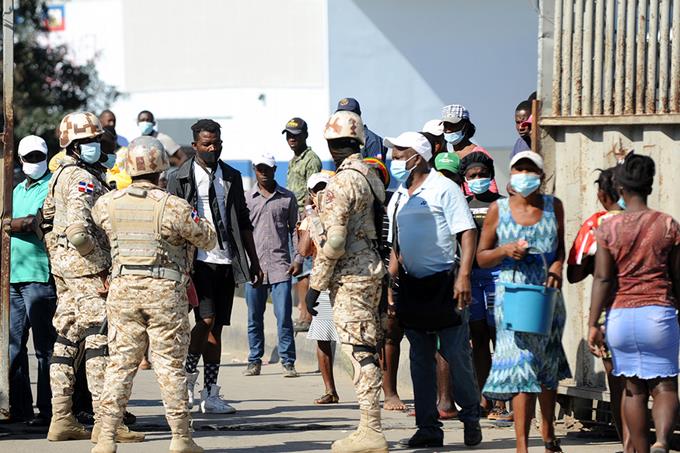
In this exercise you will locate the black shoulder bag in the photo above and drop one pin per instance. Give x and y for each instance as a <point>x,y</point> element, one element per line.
<point>424,303</point>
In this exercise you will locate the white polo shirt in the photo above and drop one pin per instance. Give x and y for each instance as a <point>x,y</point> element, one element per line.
<point>428,222</point>
<point>202,178</point>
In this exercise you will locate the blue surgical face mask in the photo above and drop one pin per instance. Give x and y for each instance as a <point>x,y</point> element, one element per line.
<point>622,203</point>
<point>479,185</point>
<point>399,171</point>
<point>110,161</point>
<point>454,137</point>
<point>525,183</point>
<point>90,152</point>
<point>145,127</point>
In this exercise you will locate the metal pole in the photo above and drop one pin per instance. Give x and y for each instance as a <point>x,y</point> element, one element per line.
<point>640,58</point>
<point>675,59</point>
<point>620,59</point>
<point>557,61</point>
<point>577,59</point>
<point>587,81</point>
<point>567,32</point>
<point>664,54</point>
<point>6,188</point>
<point>629,71</point>
<point>650,83</point>
<point>597,69</point>
<point>609,45</point>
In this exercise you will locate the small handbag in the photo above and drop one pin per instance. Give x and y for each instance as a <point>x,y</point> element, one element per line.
<point>425,303</point>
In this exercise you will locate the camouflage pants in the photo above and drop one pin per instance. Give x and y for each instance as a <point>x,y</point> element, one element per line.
<point>138,307</point>
<point>356,317</point>
<point>80,313</point>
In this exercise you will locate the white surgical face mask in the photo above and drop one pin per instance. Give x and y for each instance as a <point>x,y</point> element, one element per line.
<point>34,171</point>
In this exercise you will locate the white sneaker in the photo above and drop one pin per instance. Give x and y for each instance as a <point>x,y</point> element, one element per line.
<point>213,403</point>
<point>191,383</point>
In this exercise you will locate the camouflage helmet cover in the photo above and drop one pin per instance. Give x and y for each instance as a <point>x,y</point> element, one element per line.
<point>146,155</point>
<point>78,126</point>
<point>345,124</point>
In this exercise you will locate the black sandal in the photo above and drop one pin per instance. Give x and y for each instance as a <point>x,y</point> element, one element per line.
<point>553,445</point>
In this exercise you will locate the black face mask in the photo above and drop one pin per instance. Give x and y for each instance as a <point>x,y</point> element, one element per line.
<point>210,158</point>
<point>340,154</point>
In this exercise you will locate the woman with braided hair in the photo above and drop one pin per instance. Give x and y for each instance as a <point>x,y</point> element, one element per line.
<point>637,275</point>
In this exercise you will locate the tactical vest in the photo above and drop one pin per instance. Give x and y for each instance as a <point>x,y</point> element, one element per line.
<point>137,247</point>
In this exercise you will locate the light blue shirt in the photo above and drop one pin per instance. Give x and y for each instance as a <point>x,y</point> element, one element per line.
<point>427,224</point>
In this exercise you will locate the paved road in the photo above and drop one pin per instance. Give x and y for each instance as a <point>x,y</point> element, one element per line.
<point>276,414</point>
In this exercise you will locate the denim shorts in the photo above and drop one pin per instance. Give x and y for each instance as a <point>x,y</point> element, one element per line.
<point>644,341</point>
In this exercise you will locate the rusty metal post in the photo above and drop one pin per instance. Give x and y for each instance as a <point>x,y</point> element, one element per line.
<point>567,32</point>
<point>587,79</point>
<point>577,59</point>
<point>664,54</point>
<point>599,44</point>
<point>675,60</point>
<point>608,100</point>
<point>640,58</point>
<point>620,59</point>
<point>557,61</point>
<point>650,85</point>
<point>6,190</point>
<point>629,82</point>
<point>535,133</point>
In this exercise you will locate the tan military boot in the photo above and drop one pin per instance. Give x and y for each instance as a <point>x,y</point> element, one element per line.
<point>181,437</point>
<point>64,425</point>
<point>124,435</point>
<point>368,438</point>
<point>105,442</point>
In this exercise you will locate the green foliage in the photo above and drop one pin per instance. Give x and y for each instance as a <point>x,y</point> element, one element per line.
<point>47,84</point>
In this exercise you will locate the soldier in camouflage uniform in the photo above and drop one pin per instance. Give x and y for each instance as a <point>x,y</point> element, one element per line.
<point>80,259</point>
<point>152,235</point>
<point>348,264</point>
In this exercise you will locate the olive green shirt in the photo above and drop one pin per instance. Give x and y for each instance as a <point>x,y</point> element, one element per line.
<point>300,168</point>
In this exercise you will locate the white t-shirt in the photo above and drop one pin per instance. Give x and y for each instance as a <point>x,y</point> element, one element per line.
<point>428,222</point>
<point>202,178</point>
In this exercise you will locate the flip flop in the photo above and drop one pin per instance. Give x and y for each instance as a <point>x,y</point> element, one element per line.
<point>328,398</point>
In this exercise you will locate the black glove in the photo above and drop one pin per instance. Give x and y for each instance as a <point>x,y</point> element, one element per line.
<point>311,301</point>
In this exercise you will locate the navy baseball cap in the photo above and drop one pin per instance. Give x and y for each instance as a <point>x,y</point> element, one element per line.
<point>349,104</point>
<point>295,126</point>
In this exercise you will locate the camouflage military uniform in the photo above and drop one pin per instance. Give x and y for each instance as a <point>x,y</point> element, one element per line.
<point>81,307</point>
<point>354,280</point>
<point>154,304</point>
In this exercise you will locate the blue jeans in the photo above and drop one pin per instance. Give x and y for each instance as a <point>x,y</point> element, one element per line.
<point>454,346</point>
<point>32,305</point>
<point>256,298</point>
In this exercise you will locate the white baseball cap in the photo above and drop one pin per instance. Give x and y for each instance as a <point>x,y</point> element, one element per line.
<point>318,178</point>
<point>264,159</point>
<point>415,140</point>
<point>434,127</point>
<point>532,156</point>
<point>169,144</point>
<point>32,143</point>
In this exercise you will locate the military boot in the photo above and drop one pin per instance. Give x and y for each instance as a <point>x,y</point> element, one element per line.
<point>181,437</point>
<point>64,425</point>
<point>105,443</point>
<point>368,438</point>
<point>124,435</point>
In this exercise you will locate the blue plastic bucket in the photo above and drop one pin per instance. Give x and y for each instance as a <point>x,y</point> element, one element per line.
<point>528,308</point>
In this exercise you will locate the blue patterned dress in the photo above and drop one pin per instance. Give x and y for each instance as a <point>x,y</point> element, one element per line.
<point>522,362</point>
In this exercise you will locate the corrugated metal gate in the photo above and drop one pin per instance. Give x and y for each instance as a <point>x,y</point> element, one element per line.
<point>609,82</point>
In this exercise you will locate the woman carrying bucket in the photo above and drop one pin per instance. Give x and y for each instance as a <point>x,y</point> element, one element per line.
<point>637,275</point>
<point>524,235</point>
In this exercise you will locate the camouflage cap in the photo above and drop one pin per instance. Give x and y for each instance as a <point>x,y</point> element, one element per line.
<point>78,126</point>
<point>345,124</point>
<point>146,155</point>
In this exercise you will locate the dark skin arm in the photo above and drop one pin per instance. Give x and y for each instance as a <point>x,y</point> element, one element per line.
<point>305,243</point>
<point>22,224</point>
<point>462,288</point>
<point>555,270</point>
<point>255,270</point>
<point>488,255</point>
<point>604,284</point>
<point>579,272</point>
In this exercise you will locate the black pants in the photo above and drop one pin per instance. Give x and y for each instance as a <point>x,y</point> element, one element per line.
<point>215,289</point>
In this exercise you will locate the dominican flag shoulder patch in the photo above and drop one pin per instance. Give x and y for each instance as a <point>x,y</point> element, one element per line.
<point>194,216</point>
<point>85,187</point>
